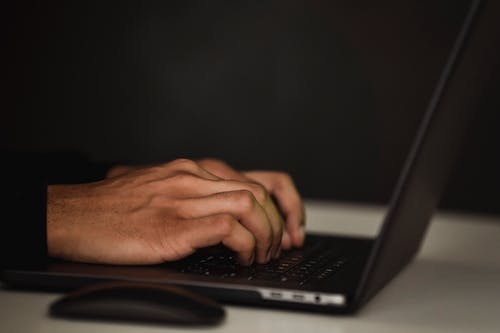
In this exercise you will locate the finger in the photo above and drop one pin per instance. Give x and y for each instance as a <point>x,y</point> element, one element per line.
<point>286,243</point>
<point>223,170</point>
<point>263,197</point>
<point>201,187</point>
<point>240,204</point>
<point>281,186</point>
<point>221,228</point>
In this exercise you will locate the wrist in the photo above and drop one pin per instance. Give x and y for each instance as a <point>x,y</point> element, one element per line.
<point>63,203</point>
<point>54,232</point>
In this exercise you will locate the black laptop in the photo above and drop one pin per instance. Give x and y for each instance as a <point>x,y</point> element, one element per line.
<point>333,274</point>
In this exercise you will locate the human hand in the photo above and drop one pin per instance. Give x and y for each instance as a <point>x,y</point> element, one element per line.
<point>161,213</point>
<point>280,186</point>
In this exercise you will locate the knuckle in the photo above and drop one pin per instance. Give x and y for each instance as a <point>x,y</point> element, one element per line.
<point>260,193</point>
<point>225,224</point>
<point>284,178</point>
<point>185,164</point>
<point>244,200</point>
<point>178,208</point>
<point>157,200</point>
<point>159,167</point>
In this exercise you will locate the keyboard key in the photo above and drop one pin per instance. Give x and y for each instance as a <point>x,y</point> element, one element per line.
<point>294,268</point>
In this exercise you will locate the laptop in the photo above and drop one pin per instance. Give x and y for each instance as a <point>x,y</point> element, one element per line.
<point>332,273</point>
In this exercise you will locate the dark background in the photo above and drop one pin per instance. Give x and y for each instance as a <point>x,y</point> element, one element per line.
<point>329,91</point>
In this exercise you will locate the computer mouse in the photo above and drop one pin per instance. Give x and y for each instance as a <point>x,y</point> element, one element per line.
<point>143,302</point>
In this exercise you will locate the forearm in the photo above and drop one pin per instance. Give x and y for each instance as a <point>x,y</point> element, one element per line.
<point>147,215</point>
<point>23,199</point>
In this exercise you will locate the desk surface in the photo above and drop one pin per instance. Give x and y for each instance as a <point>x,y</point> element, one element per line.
<point>452,286</point>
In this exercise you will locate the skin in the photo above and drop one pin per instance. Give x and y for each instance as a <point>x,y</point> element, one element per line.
<point>149,215</point>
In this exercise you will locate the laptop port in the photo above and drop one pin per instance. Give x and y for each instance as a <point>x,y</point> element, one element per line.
<point>276,294</point>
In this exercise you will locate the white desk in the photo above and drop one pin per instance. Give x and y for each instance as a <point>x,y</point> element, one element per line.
<point>453,286</point>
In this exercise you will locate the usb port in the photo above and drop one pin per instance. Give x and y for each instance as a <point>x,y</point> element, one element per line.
<point>276,294</point>
<point>298,297</point>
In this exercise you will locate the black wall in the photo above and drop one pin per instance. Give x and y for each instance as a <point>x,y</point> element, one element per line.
<point>330,91</point>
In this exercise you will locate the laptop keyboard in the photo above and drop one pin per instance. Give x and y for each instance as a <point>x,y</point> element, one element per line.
<point>294,268</point>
